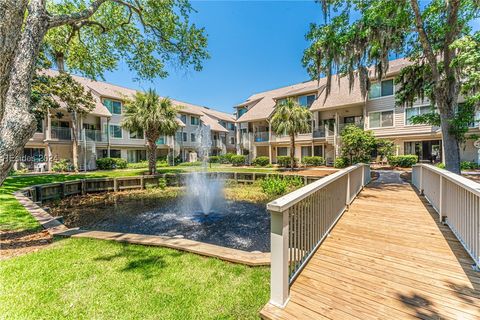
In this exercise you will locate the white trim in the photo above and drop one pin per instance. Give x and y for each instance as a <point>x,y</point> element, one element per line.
<point>386,110</point>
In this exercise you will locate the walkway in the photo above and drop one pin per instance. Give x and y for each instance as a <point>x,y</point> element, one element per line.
<point>387,258</point>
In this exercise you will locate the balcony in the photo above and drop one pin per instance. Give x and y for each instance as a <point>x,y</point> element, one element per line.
<point>94,135</point>
<point>218,144</point>
<point>319,132</point>
<point>262,136</point>
<point>60,133</point>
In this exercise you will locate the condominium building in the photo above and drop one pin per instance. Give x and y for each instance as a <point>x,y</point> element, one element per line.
<point>343,106</point>
<point>100,133</point>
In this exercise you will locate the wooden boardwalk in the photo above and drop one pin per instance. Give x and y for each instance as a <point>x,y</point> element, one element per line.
<point>387,258</point>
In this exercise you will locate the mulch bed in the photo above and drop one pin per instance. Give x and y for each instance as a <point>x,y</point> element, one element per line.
<point>15,243</point>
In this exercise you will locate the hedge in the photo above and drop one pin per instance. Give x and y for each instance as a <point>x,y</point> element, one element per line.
<point>261,161</point>
<point>405,161</point>
<point>313,161</point>
<point>238,160</point>
<point>214,159</point>
<point>284,161</point>
<point>111,163</point>
<point>341,163</point>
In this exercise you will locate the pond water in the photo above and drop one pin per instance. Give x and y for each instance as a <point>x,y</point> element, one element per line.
<point>235,224</point>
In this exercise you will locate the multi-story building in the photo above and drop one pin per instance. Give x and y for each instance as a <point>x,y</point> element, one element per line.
<point>343,106</point>
<point>100,133</point>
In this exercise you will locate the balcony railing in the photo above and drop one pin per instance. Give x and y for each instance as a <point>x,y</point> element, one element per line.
<point>319,132</point>
<point>262,136</point>
<point>59,133</point>
<point>94,135</point>
<point>218,144</point>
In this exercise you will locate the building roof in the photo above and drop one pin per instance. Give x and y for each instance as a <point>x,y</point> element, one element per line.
<point>262,104</point>
<point>213,123</point>
<point>102,89</point>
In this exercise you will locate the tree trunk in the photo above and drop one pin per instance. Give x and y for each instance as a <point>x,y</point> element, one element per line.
<point>74,141</point>
<point>18,123</point>
<point>451,147</point>
<point>152,156</point>
<point>292,152</point>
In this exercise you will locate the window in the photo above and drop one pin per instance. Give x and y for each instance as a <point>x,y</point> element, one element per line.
<point>381,89</point>
<point>136,155</point>
<point>306,101</point>
<point>39,125</point>
<point>232,140</point>
<point>282,151</point>
<point>115,107</point>
<point>415,111</point>
<point>161,140</point>
<point>194,121</point>
<point>136,134</point>
<point>318,151</point>
<point>306,151</point>
<point>31,155</point>
<point>184,137</point>
<point>192,137</point>
<point>183,118</point>
<point>230,126</point>
<point>115,131</point>
<point>381,119</point>
<point>241,112</point>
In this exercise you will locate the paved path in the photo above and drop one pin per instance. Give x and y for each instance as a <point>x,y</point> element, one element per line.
<point>387,258</point>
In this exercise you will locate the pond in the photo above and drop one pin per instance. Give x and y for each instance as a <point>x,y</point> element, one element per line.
<point>235,224</point>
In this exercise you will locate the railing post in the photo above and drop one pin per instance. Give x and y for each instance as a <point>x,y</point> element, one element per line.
<point>421,181</point>
<point>441,205</point>
<point>279,282</point>
<point>347,200</point>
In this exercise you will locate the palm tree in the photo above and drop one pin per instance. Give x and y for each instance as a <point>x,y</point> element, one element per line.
<point>291,118</point>
<point>153,115</point>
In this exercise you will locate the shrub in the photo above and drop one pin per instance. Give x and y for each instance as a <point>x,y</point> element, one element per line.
<point>467,165</point>
<point>261,161</point>
<point>440,165</point>
<point>144,164</point>
<point>111,163</point>
<point>226,158</point>
<point>284,161</point>
<point>191,164</point>
<point>238,160</point>
<point>62,165</point>
<point>277,185</point>
<point>405,161</point>
<point>214,159</point>
<point>341,163</point>
<point>313,161</point>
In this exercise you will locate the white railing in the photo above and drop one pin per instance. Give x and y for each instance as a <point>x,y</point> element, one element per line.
<point>457,202</point>
<point>302,219</point>
<point>60,133</point>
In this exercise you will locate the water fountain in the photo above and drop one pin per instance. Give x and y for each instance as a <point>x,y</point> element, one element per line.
<point>204,192</point>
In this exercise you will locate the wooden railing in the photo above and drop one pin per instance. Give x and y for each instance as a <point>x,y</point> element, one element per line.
<point>457,202</point>
<point>302,219</point>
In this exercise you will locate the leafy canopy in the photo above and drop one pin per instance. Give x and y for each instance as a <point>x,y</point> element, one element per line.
<point>145,34</point>
<point>290,118</point>
<point>152,114</point>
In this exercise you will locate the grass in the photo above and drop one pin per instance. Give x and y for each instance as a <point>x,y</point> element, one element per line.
<point>92,279</point>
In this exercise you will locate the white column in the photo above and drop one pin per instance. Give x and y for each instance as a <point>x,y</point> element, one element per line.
<point>279,282</point>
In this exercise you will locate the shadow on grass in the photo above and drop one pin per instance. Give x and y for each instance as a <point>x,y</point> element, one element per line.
<point>147,262</point>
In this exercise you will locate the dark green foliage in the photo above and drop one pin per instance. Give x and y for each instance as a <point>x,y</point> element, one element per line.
<point>285,161</point>
<point>226,158</point>
<point>279,185</point>
<point>468,165</point>
<point>190,164</point>
<point>357,144</point>
<point>63,165</point>
<point>385,148</point>
<point>405,161</point>
<point>238,160</point>
<point>261,161</point>
<point>214,159</point>
<point>111,163</point>
<point>313,161</point>
<point>341,163</point>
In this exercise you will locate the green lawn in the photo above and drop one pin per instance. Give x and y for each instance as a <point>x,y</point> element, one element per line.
<point>94,279</point>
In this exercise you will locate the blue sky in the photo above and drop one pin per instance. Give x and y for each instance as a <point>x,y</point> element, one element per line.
<point>254,46</point>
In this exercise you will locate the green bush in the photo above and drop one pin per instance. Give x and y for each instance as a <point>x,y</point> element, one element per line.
<point>144,164</point>
<point>405,161</point>
<point>440,165</point>
<point>341,163</point>
<point>226,158</point>
<point>284,161</point>
<point>191,164</point>
<point>467,165</point>
<point>277,185</point>
<point>63,165</point>
<point>238,160</point>
<point>214,159</point>
<point>111,163</point>
<point>313,161</point>
<point>261,161</point>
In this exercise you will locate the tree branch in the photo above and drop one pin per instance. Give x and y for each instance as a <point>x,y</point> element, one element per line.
<point>63,19</point>
<point>427,47</point>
